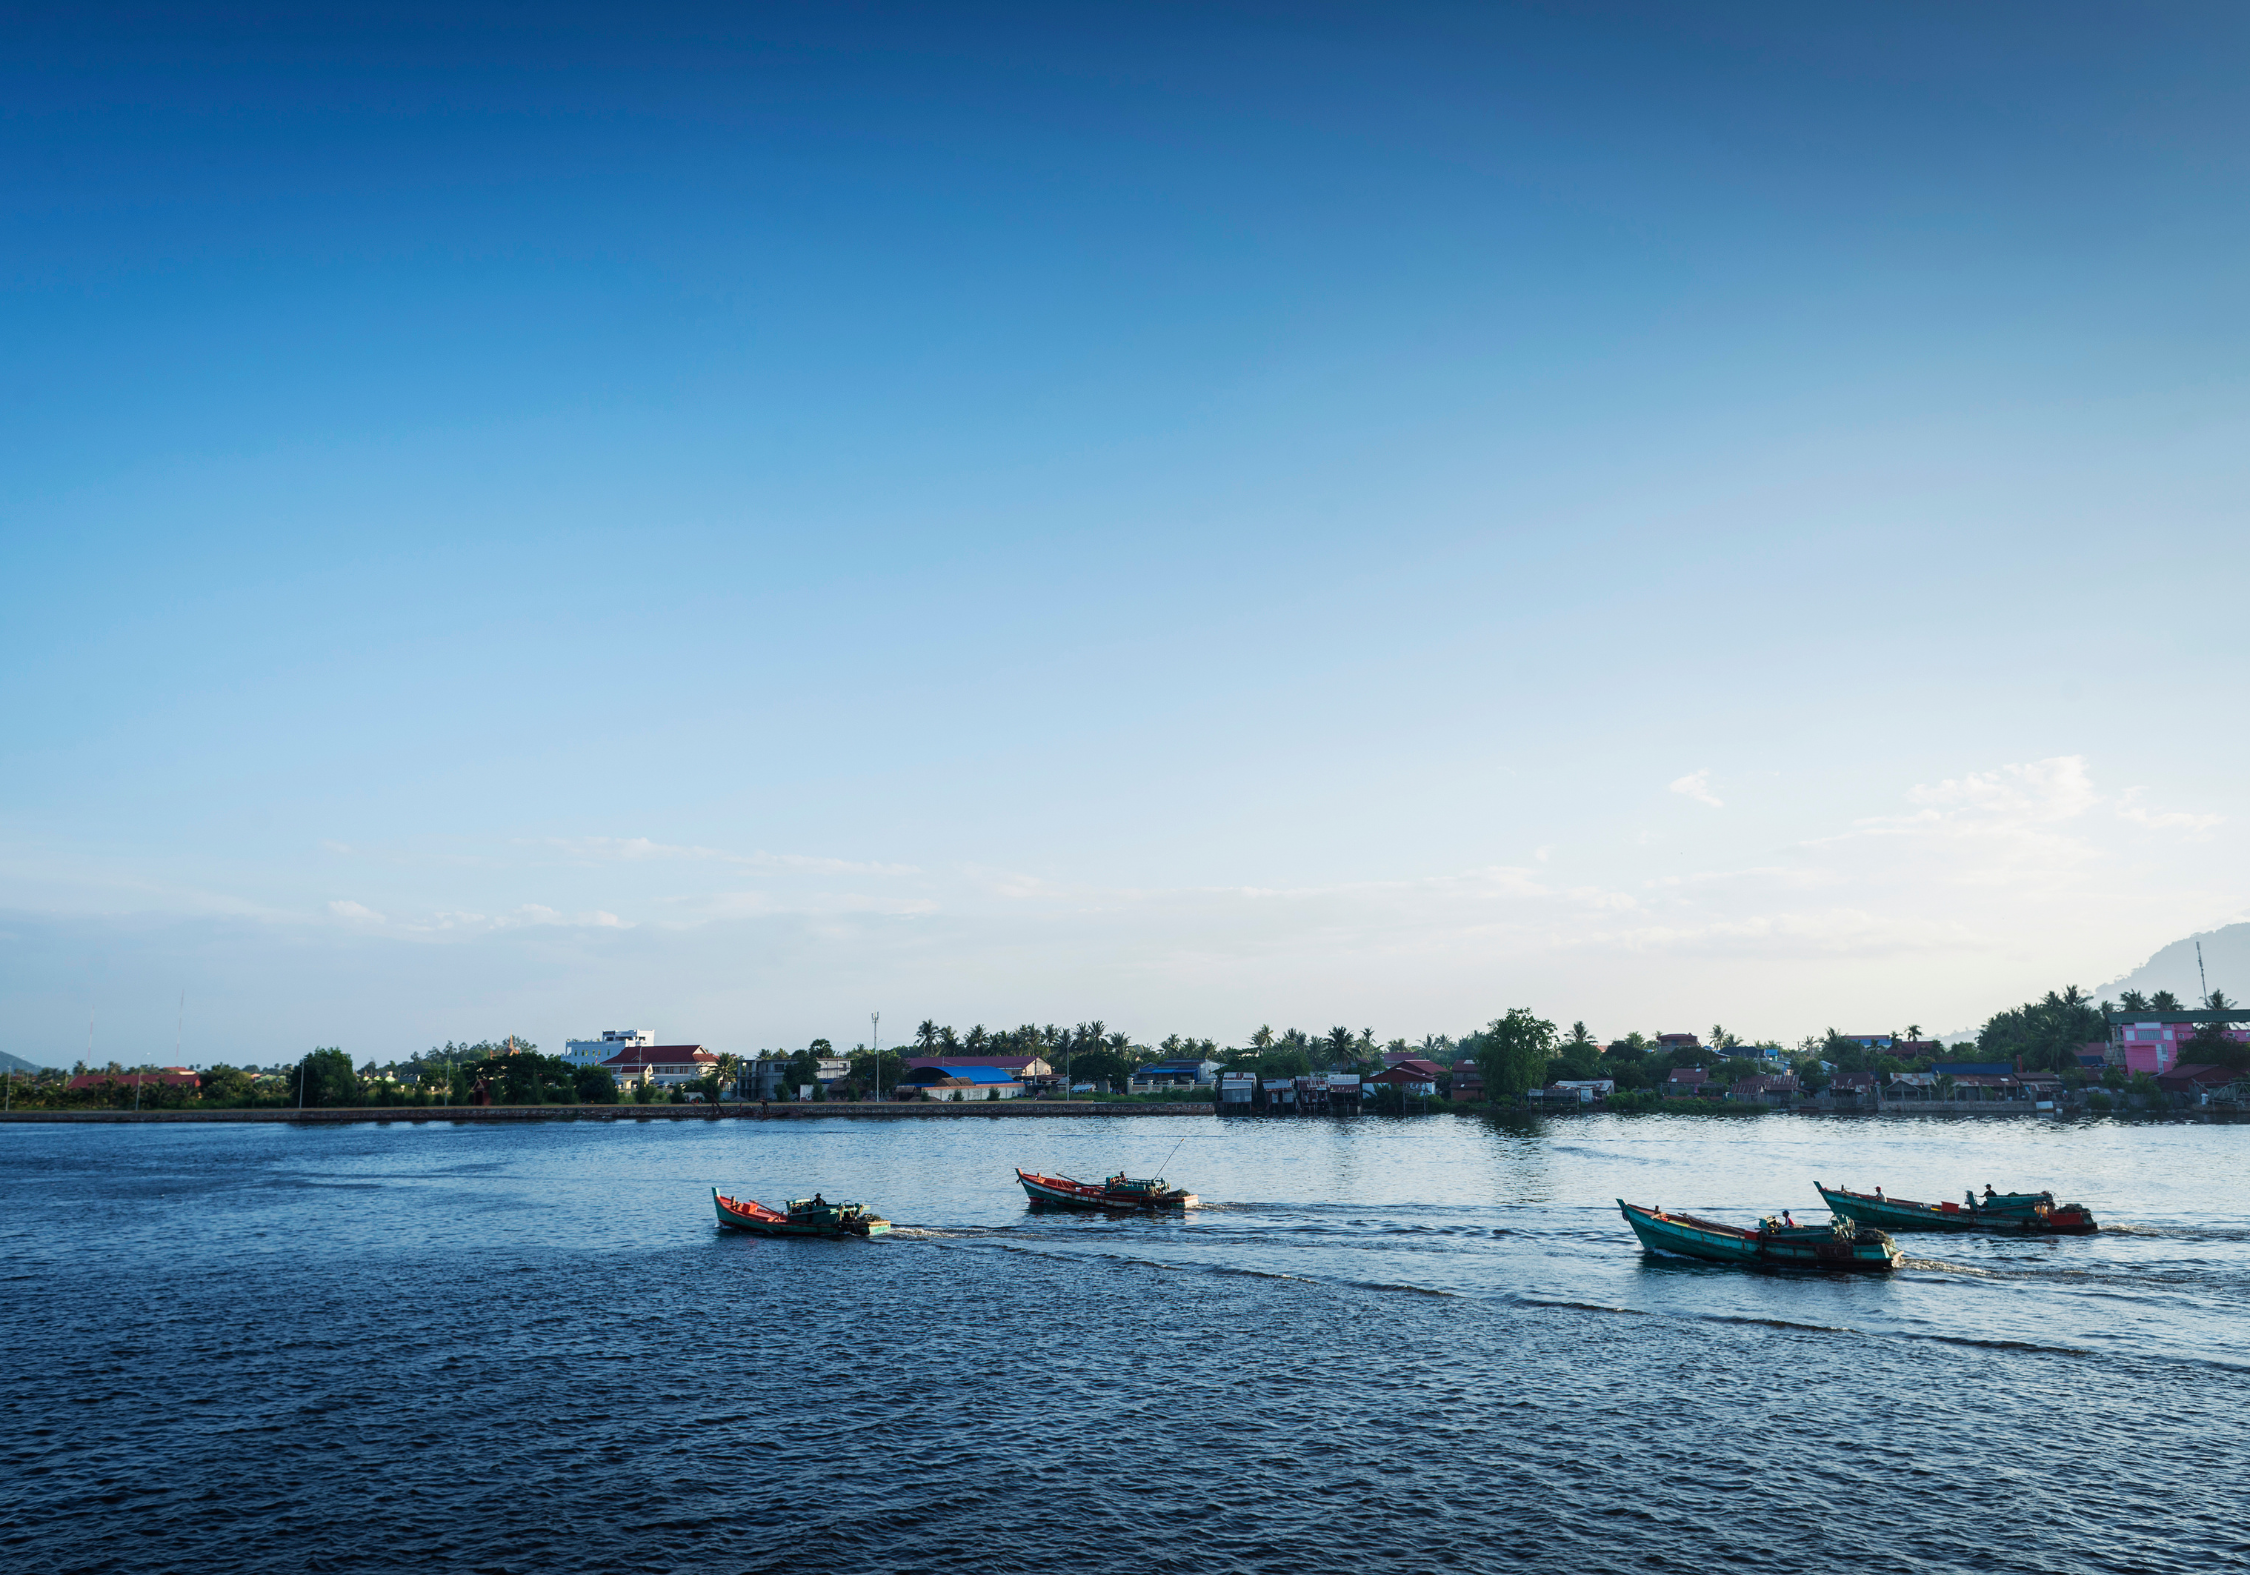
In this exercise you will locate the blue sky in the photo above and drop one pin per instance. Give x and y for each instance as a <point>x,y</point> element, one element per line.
<point>729,520</point>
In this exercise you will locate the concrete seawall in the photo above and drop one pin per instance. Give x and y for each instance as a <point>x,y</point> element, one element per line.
<point>800,1111</point>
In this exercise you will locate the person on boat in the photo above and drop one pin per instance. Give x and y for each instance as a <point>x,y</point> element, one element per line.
<point>818,1201</point>
<point>1878,1194</point>
<point>1787,1220</point>
<point>1988,1189</point>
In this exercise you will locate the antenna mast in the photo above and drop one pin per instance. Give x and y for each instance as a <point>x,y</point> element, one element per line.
<point>2201,977</point>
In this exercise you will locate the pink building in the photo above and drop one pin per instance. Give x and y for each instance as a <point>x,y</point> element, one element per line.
<point>2154,1046</point>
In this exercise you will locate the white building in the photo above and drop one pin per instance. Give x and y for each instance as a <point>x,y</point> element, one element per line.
<point>593,1052</point>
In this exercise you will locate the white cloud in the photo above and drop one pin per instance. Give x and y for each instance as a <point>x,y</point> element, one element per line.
<point>1697,785</point>
<point>358,912</point>
<point>638,848</point>
<point>2018,823</point>
<point>2130,808</point>
<point>2041,792</point>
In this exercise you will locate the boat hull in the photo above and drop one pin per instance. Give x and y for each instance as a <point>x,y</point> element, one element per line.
<point>1061,1192</point>
<point>2037,1218</point>
<point>745,1215</point>
<point>1802,1247</point>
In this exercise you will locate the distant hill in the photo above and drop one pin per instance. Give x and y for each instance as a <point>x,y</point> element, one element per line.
<point>2226,960</point>
<point>16,1063</point>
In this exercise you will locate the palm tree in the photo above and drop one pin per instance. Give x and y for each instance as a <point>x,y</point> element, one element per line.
<point>1263,1038</point>
<point>977,1038</point>
<point>729,1062</point>
<point>927,1035</point>
<point>948,1040</point>
<point>1339,1044</point>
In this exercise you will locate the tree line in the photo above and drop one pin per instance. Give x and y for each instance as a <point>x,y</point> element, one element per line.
<point>1513,1053</point>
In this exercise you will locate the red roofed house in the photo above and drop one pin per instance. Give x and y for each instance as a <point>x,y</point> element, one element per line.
<point>1413,1074</point>
<point>1769,1086</point>
<point>667,1066</point>
<point>2198,1082</point>
<point>1468,1081</point>
<point>1686,1080</point>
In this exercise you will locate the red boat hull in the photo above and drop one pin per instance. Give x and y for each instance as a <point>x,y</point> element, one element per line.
<point>1064,1193</point>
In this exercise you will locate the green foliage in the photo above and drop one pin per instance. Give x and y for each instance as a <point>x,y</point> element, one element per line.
<point>227,1085</point>
<point>593,1085</point>
<point>1512,1053</point>
<point>1576,1056</point>
<point>2210,1046</point>
<point>522,1079</point>
<point>2048,1033</point>
<point>325,1078</point>
<point>1281,1061</point>
<point>803,1069</point>
<point>865,1067</point>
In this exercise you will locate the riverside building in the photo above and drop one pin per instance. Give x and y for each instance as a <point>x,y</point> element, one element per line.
<point>614,1041</point>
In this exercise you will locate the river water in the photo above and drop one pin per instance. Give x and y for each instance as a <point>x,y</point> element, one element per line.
<point>1424,1344</point>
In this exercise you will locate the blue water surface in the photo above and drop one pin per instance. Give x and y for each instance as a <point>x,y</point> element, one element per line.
<point>1378,1345</point>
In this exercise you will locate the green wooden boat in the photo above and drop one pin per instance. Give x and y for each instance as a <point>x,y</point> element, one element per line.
<point>813,1216</point>
<point>2026,1213</point>
<point>1838,1244</point>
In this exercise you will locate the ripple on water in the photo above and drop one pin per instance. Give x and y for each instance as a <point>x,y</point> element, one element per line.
<point>378,1349</point>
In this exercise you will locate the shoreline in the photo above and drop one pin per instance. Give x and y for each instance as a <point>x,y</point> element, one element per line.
<point>1025,1109</point>
<point>794,1111</point>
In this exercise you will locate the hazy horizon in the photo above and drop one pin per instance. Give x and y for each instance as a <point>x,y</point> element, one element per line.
<point>726,521</point>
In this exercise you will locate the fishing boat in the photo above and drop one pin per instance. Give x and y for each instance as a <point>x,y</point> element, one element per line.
<point>1115,1192</point>
<point>2025,1213</point>
<point>813,1216</point>
<point>1838,1244</point>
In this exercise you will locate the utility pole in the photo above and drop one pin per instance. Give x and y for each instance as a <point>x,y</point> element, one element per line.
<point>2201,977</point>
<point>875,1031</point>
